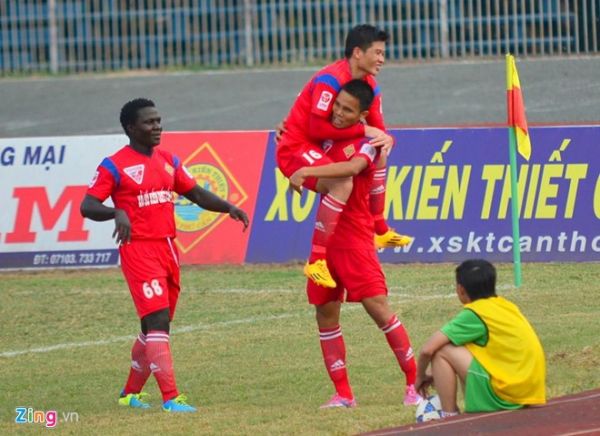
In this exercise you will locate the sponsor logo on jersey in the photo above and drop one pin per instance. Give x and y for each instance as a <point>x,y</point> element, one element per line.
<point>135,173</point>
<point>154,197</point>
<point>327,144</point>
<point>349,151</point>
<point>325,100</point>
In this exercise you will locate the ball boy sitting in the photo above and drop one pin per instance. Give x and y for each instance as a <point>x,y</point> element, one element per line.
<point>489,345</point>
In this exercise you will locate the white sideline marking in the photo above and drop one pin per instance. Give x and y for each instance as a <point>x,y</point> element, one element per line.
<point>184,329</point>
<point>124,291</point>
<point>192,328</point>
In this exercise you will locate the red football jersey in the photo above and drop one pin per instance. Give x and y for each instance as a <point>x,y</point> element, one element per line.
<point>355,228</point>
<point>316,99</point>
<point>143,187</point>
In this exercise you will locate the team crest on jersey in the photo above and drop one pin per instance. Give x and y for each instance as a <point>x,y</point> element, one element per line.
<point>136,173</point>
<point>325,100</point>
<point>169,169</point>
<point>349,151</point>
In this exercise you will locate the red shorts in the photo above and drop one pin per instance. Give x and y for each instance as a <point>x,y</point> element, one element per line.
<point>357,271</point>
<point>305,156</point>
<point>151,269</point>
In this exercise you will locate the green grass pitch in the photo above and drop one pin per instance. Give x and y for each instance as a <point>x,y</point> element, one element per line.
<point>246,347</point>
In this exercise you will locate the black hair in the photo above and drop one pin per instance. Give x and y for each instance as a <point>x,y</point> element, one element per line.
<point>363,36</point>
<point>362,91</point>
<point>129,111</point>
<point>478,277</point>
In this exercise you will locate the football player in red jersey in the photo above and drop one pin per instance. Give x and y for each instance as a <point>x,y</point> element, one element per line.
<point>352,257</point>
<point>141,180</point>
<point>307,126</point>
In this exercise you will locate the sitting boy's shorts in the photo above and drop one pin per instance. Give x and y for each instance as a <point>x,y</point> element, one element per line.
<point>356,271</point>
<point>479,394</point>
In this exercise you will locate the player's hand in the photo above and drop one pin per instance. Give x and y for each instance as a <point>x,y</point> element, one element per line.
<point>122,231</point>
<point>279,129</point>
<point>296,180</point>
<point>378,138</point>
<point>423,383</point>
<point>239,215</point>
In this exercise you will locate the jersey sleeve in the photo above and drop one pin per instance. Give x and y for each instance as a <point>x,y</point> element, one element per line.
<point>367,152</point>
<point>184,181</point>
<point>105,180</point>
<point>466,327</point>
<point>325,88</point>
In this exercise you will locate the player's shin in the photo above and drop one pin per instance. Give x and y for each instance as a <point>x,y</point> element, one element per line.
<point>140,368</point>
<point>160,360</point>
<point>334,356</point>
<point>328,215</point>
<point>399,342</point>
<point>377,201</point>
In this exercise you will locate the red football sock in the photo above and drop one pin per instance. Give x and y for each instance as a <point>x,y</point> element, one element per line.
<point>334,355</point>
<point>397,337</point>
<point>140,370</point>
<point>160,361</point>
<point>328,215</point>
<point>377,201</point>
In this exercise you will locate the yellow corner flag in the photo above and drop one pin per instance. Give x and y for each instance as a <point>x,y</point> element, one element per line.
<point>516,108</point>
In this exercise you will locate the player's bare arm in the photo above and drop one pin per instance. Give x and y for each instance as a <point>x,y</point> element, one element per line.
<point>209,201</point>
<point>336,170</point>
<point>95,210</point>
<point>321,129</point>
<point>424,378</point>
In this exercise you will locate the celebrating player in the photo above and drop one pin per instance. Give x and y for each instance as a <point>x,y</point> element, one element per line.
<point>141,180</point>
<point>351,255</point>
<point>307,126</point>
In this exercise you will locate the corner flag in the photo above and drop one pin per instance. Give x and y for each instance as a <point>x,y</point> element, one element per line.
<point>516,108</point>
<point>518,140</point>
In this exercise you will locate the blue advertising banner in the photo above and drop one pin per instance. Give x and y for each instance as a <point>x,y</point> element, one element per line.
<point>450,190</point>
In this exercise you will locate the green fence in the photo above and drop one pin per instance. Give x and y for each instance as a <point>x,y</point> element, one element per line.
<point>107,35</point>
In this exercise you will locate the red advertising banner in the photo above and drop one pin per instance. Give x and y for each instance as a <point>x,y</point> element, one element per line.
<point>228,164</point>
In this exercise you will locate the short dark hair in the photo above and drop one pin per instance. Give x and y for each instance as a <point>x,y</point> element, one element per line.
<point>478,277</point>
<point>129,111</point>
<point>363,36</point>
<point>362,91</point>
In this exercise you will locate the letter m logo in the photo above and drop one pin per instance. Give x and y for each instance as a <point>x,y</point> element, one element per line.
<point>28,197</point>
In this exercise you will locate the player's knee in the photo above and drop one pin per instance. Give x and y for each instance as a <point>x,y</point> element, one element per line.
<point>158,320</point>
<point>446,352</point>
<point>327,315</point>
